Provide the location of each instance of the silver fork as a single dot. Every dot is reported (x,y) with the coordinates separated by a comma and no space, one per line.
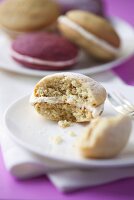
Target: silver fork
(121,104)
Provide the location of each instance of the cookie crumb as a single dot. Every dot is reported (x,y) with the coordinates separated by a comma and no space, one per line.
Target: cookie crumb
(57,139)
(64,123)
(71,133)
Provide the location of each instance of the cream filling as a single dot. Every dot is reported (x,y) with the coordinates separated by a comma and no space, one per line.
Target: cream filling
(37,61)
(96,111)
(87,35)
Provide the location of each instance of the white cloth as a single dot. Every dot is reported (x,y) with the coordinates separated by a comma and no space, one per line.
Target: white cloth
(24,164)
(73,179)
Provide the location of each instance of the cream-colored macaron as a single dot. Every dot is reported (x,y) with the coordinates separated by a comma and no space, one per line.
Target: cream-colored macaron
(68,96)
(91,32)
(105,137)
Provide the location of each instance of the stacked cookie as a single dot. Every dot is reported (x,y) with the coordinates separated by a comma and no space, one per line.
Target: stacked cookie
(29,22)
(94,34)
(68,96)
(20,16)
(44,51)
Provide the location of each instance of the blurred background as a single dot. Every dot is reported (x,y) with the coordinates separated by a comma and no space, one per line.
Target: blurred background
(121,8)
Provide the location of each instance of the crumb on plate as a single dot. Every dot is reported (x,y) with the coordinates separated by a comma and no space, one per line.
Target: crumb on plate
(64,123)
(57,139)
(71,133)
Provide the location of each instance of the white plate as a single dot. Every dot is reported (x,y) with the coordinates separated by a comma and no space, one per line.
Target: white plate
(35,133)
(85,66)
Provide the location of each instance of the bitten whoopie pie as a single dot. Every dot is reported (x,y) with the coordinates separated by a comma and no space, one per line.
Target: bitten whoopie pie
(20,16)
(68,96)
(44,51)
(91,32)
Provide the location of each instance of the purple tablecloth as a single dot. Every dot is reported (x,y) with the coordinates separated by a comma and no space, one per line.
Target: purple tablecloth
(41,188)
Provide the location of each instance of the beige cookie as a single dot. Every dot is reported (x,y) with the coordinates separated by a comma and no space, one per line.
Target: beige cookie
(68,96)
(105,137)
(91,32)
(30,15)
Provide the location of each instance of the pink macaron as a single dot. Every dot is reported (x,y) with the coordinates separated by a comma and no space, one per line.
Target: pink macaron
(44,51)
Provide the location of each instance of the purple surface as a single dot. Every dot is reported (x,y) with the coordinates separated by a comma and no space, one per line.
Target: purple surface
(124,10)
(126,72)
(95,6)
(41,188)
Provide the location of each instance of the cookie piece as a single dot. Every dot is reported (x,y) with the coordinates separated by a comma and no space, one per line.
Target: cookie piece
(68,96)
(44,51)
(105,137)
(25,16)
(91,32)
(94,6)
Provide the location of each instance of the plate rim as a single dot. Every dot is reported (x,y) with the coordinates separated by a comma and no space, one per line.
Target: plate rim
(87,163)
(86,71)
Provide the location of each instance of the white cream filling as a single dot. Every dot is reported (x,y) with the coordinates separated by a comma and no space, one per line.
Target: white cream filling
(54,100)
(37,61)
(88,35)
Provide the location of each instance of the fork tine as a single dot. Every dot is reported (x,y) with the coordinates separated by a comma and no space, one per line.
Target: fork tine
(111,99)
(115,104)
(124,99)
(122,102)
(131,115)
(119,107)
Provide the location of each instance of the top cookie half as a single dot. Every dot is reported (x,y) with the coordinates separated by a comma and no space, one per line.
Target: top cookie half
(93,33)
(68,96)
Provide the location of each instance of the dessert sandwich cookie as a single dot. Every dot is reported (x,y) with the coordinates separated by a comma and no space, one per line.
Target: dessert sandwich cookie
(95,6)
(68,96)
(105,137)
(44,51)
(20,16)
(91,32)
